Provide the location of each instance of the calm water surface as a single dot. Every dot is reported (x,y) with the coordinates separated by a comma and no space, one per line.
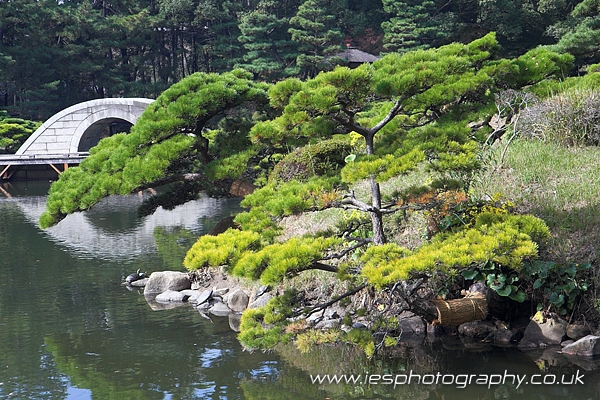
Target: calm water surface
(69,330)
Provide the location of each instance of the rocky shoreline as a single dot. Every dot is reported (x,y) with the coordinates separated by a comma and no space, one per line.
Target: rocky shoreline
(220,295)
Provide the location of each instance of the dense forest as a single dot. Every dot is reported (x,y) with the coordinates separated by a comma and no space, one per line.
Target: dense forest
(54,54)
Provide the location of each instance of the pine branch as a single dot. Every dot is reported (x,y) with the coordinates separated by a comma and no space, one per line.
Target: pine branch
(323,306)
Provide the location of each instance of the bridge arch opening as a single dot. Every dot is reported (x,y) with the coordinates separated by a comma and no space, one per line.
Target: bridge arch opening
(101,129)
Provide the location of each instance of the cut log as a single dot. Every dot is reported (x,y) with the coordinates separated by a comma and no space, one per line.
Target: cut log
(458,311)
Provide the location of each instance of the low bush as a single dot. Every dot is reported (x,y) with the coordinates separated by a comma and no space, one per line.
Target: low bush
(571,118)
(312,160)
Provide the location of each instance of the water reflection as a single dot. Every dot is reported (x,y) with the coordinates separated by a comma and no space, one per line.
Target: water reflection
(113,231)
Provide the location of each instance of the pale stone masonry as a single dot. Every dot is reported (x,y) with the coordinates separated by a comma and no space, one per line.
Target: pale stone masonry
(77,128)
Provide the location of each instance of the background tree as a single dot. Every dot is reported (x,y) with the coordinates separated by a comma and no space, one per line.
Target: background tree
(580,33)
(313,28)
(270,52)
(411,25)
(56,54)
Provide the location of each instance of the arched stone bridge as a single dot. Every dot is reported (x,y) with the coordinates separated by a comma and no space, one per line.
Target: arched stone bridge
(67,136)
(80,127)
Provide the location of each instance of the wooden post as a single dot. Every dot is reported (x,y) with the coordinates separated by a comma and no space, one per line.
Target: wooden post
(4,170)
(56,169)
(4,192)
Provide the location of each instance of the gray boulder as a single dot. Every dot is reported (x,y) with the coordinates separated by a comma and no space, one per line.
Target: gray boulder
(502,337)
(476,329)
(328,324)
(261,301)
(540,331)
(586,346)
(139,283)
(238,300)
(413,325)
(577,331)
(162,281)
(171,296)
(219,309)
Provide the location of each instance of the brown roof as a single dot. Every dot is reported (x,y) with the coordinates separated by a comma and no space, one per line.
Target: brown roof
(354,55)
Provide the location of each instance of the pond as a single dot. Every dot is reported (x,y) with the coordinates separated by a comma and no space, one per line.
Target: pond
(70,330)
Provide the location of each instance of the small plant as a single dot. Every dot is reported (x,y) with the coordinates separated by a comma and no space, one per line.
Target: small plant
(569,118)
(502,281)
(560,284)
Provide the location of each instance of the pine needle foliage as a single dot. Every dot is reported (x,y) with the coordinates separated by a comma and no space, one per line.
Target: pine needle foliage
(167,140)
(506,240)
(283,260)
(224,249)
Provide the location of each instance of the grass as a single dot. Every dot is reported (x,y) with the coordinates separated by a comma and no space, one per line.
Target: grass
(559,184)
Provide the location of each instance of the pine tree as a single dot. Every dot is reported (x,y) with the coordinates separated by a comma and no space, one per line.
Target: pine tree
(222,48)
(270,53)
(411,25)
(318,40)
(580,35)
(178,138)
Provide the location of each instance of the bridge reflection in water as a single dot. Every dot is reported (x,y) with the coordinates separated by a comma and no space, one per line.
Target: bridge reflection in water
(92,234)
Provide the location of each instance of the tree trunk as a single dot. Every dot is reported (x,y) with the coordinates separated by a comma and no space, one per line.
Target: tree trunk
(376,216)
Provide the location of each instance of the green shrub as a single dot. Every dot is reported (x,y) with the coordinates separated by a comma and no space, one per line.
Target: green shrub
(311,160)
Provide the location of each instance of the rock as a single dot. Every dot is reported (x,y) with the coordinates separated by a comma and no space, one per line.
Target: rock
(162,281)
(261,301)
(171,296)
(191,294)
(413,325)
(567,342)
(540,331)
(139,283)
(478,288)
(208,304)
(156,306)
(238,300)
(577,331)
(202,297)
(359,325)
(586,346)
(328,324)
(262,289)
(501,337)
(219,309)
(221,291)
(476,329)
(235,320)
